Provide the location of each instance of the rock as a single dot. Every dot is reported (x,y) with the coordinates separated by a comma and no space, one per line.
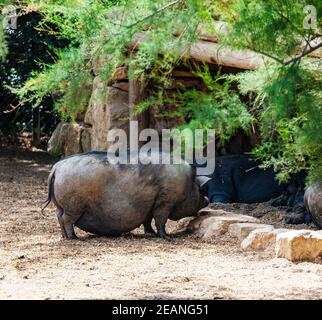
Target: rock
(86,139)
(73,138)
(158,121)
(313,202)
(298,245)
(56,141)
(211,226)
(262,238)
(65,139)
(121,73)
(242,230)
(213,212)
(96,117)
(117,105)
(121,86)
(107,110)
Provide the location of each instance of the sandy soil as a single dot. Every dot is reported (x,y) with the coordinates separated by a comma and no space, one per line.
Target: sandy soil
(35,263)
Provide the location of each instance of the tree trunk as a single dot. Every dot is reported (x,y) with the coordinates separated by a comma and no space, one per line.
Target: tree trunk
(35,127)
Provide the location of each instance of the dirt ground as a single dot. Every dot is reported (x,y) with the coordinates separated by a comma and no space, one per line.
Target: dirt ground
(35,263)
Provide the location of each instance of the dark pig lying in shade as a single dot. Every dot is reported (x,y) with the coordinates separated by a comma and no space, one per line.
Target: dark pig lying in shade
(238,178)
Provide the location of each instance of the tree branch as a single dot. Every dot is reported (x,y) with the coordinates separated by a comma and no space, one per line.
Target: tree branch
(303,54)
(171,4)
(294,59)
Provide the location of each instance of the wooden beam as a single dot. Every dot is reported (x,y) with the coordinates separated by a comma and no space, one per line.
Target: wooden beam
(214,53)
(182,74)
(124,86)
(177,84)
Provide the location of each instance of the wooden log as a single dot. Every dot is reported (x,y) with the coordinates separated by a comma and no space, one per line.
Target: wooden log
(124,86)
(214,53)
(177,84)
(182,74)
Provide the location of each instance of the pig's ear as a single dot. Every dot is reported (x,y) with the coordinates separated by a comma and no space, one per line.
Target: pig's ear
(201,180)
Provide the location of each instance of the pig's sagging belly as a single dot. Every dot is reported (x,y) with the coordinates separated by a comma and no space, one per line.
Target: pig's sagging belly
(107,223)
(110,221)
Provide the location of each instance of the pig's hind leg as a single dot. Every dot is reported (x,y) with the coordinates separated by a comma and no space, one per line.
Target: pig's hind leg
(59,214)
(161,215)
(66,222)
(148,230)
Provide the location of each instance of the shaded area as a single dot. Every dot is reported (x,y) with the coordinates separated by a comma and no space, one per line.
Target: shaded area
(29,50)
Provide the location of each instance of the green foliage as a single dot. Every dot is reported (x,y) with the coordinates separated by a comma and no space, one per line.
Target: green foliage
(67,79)
(285,93)
(289,107)
(274,27)
(220,108)
(100,34)
(3,44)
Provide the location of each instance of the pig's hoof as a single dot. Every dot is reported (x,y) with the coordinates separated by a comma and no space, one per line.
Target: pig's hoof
(294,219)
(150,234)
(288,220)
(166,237)
(73,237)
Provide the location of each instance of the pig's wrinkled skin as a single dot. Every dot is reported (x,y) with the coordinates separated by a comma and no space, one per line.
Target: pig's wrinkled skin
(110,199)
(313,202)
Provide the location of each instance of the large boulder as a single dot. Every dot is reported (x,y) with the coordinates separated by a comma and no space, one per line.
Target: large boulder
(261,239)
(299,245)
(313,202)
(242,230)
(209,226)
(158,121)
(66,139)
(86,139)
(108,109)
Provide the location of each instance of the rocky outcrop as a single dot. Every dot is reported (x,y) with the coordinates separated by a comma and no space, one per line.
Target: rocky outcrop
(242,230)
(108,109)
(261,239)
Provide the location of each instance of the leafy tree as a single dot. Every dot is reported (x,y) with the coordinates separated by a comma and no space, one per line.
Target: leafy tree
(285,92)
(28,49)
(288,87)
